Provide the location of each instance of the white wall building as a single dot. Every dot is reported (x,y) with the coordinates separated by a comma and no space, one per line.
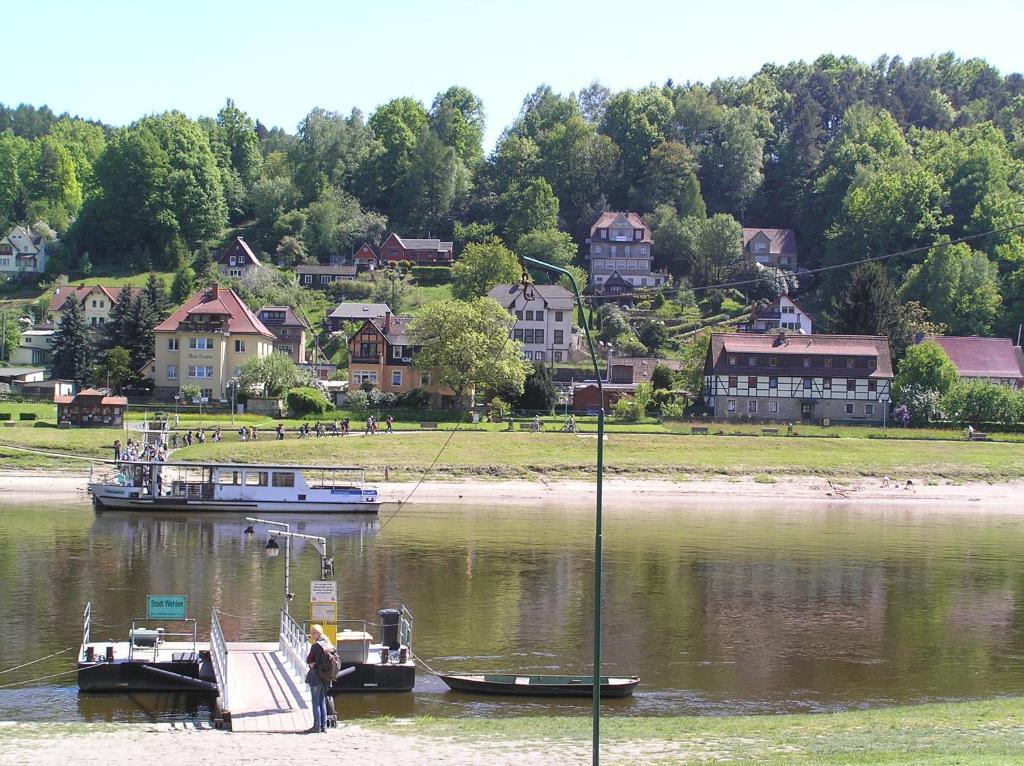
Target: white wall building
(543,324)
(22,250)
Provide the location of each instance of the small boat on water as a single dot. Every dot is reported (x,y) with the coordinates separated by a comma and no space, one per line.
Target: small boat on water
(536,686)
(225,487)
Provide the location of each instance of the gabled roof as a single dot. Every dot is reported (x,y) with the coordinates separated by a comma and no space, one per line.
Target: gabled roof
(365,249)
(393,328)
(107,400)
(976,357)
(239,249)
(615,278)
(612,218)
(354,311)
(776,305)
(289,319)
(554,296)
(81,292)
(643,366)
(222,301)
(33,239)
(874,346)
(780,241)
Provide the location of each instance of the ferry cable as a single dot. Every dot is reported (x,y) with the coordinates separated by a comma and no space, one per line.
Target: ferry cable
(423,663)
(33,662)
(41,678)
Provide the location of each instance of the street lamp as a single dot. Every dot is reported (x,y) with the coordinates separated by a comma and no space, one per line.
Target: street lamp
(273,550)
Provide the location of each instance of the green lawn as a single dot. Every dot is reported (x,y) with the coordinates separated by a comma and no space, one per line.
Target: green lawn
(968,733)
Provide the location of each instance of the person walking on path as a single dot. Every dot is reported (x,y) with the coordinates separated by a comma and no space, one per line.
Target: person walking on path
(280,432)
(389,421)
(117,450)
(318,659)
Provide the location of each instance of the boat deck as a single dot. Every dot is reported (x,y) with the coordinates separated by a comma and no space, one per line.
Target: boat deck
(166,651)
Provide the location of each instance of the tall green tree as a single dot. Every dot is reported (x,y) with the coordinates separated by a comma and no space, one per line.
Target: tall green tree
(73,352)
(715,249)
(482,266)
(530,208)
(732,164)
(434,180)
(925,366)
(539,392)
(870,305)
(457,117)
(671,179)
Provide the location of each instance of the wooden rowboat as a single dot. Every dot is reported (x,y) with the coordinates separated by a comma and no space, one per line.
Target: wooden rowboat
(547,686)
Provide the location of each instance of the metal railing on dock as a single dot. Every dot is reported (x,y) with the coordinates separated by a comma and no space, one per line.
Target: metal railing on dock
(294,644)
(86,628)
(219,656)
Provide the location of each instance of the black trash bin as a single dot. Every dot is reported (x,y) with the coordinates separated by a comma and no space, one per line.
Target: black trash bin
(389,620)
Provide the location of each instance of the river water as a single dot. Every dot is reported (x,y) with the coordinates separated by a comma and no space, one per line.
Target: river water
(719,609)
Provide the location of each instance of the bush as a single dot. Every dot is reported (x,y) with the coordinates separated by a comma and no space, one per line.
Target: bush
(628,409)
(417,399)
(358,401)
(432,275)
(26,416)
(672,410)
(308,401)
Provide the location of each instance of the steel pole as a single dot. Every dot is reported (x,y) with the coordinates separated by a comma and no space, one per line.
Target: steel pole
(598,535)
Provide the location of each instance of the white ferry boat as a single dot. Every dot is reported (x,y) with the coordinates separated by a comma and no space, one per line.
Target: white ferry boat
(144,485)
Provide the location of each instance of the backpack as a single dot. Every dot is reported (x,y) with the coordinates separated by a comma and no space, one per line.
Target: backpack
(328,665)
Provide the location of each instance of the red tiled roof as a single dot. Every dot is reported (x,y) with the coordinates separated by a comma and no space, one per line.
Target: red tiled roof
(804,345)
(976,357)
(106,400)
(633,219)
(781,241)
(217,300)
(61,294)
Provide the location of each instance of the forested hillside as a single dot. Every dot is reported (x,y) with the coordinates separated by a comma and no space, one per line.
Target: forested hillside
(860,159)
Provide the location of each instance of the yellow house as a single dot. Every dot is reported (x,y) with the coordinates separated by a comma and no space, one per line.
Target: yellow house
(206,342)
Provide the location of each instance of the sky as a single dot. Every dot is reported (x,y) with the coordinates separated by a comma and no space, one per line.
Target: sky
(117,60)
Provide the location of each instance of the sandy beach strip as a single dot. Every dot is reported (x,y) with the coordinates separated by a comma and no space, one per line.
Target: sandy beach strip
(619,493)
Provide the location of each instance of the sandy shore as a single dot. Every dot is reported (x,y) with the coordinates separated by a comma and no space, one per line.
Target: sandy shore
(618,493)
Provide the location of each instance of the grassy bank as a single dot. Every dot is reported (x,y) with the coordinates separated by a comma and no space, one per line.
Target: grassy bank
(988,732)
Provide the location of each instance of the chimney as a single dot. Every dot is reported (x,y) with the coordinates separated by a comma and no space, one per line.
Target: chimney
(214,291)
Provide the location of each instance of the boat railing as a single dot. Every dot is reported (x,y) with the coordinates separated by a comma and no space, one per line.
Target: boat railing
(405,628)
(86,626)
(142,649)
(219,656)
(294,644)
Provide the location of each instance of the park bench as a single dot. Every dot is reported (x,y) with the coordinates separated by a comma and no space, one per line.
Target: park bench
(428,426)
(529,427)
(698,429)
(979,436)
(770,431)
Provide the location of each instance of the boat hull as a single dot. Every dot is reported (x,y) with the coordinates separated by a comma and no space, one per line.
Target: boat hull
(130,676)
(369,677)
(541,686)
(126,502)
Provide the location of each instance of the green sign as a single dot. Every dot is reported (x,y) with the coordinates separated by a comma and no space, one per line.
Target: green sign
(165,607)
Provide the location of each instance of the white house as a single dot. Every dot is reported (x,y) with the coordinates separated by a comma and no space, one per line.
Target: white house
(781,314)
(22,250)
(543,323)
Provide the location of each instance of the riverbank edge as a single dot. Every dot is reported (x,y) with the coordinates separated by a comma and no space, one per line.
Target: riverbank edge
(970,732)
(21,485)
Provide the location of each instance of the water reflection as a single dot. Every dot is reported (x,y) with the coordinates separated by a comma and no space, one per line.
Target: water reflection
(719,610)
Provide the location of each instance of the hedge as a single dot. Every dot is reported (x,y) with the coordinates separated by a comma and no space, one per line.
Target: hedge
(432,275)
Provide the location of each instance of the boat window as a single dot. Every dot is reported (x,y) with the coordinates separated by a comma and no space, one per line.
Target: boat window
(230,477)
(256,478)
(284,479)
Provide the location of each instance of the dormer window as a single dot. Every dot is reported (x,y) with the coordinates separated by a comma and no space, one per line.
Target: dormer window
(604,233)
(759,246)
(231,260)
(638,234)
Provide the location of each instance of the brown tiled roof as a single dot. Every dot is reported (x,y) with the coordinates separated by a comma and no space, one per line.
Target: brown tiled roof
(643,366)
(106,400)
(217,300)
(239,249)
(780,241)
(976,357)
(633,219)
(554,296)
(61,294)
(786,345)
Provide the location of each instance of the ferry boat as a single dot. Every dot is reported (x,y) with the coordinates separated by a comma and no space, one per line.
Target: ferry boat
(144,485)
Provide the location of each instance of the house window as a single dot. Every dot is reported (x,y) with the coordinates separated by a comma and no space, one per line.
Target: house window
(94,321)
(773,407)
(732,360)
(528,355)
(367,350)
(231,260)
(538,336)
(851,384)
(751,361)
(869,409)
(872,385)
(517,335)
(773,361)
(396,377)
(202,344)
(307,279)
(604,235)
(94,304)
(172,344)
(234,272)
(424,379)
(730,405)
(239,346)
(519,315)
(200,371)
(539,356)
(752,407)
(807,361)
(807,384)
(539,316)
(529,316)
(849,364)
(558,356)
(597,249)
(849,408)
(773,382)
(733,381)
(559,337)
(396,352)
(326,279)
(752,381)
(828,362)
(827,384)
(558,316)
(172,372)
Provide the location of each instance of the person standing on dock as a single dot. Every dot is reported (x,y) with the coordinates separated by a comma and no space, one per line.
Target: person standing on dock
(318,660)
(117,450)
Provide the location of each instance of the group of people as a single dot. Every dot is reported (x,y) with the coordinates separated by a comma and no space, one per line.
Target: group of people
(133,451)
(373,427)
(247,434)
(199,438)
(338,428)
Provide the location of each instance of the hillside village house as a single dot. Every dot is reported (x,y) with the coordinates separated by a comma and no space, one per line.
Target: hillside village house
(289,331)
(22,250)
(320,276)
(381,354)
(989,360)
(835,378)
(355,312)
(95,302)
(35,346)
(206,342)
(365,259)
(543,319)
(237,259)
(92,408)
(770,247)
(781,314)
(421,252)
(620,254)
(625,374)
